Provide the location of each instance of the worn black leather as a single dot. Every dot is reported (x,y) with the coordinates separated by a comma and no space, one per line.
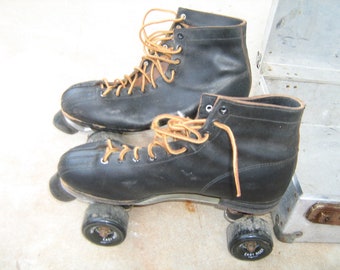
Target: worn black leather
(213,59)
(266,129)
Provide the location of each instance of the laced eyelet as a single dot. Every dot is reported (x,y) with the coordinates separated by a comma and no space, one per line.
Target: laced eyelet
(223,110)
(104,162)
(179,47)
(209,108)
(183,16)
(152,158)
(135,160)
(178,26)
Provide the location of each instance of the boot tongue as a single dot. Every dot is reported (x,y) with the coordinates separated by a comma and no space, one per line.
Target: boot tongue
(206,105)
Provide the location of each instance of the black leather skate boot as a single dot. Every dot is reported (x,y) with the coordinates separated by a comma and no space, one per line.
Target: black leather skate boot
(201,52)
(238,153)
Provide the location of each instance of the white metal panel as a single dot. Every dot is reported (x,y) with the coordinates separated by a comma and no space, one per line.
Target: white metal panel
(302,41)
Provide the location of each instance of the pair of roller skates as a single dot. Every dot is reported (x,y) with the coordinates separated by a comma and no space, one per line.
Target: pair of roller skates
(211,142)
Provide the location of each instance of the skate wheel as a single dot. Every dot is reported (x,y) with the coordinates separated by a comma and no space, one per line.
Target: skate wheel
(105,225)
(61,124)
(58,191)
(249,238)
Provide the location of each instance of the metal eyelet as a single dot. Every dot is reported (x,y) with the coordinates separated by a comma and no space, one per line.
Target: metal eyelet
(152,159)
(103,162)
(183,16)
(135,160)
(209,108)
(102,94)
(179,48)
(180,36)
(223,110)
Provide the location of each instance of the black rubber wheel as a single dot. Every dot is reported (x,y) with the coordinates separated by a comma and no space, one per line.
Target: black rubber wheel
(249,238)
(58,191)
(105,225)
(61,124)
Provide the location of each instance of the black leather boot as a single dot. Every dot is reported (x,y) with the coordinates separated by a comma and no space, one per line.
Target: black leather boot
(238,153)
(200,53)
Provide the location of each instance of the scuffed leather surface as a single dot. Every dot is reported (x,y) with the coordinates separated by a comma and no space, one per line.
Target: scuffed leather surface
(214,59)
(266,130)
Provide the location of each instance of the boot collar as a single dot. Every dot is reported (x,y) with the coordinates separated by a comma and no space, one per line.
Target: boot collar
(278,108)
(195,18)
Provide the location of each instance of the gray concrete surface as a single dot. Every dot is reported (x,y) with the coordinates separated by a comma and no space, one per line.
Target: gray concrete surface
(45,46)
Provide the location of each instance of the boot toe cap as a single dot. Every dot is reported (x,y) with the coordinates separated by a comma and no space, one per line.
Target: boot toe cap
(78,167)
(80,99)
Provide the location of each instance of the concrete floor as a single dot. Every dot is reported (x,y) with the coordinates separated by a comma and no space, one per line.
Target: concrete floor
(45,46)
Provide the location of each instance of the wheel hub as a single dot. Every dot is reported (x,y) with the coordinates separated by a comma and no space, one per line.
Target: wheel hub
(250,246)
(105,232)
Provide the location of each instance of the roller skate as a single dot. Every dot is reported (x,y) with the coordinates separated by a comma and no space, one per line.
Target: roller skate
(238,154)
(201,52)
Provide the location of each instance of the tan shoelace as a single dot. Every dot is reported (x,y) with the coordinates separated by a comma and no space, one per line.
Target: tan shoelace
(156,53)
(178,128)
